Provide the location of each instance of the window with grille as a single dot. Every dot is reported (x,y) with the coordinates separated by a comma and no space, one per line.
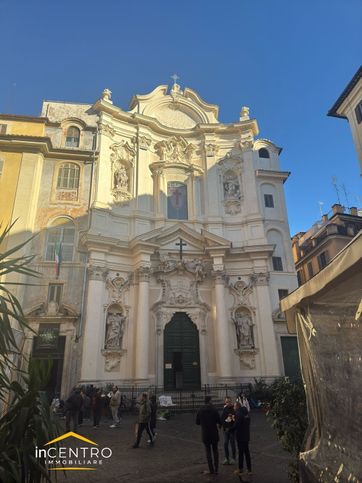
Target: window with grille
(322,260)
(310,269)
(68,176)
(55,292)
(62,237)
(277,264)
(282,292)
(358,112)
(264,153)
(72,138)
(269,201)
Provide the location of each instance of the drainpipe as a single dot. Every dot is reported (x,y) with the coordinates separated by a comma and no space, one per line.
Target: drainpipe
(80,325)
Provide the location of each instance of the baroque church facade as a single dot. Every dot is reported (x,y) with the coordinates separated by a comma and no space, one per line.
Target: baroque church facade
(174,241)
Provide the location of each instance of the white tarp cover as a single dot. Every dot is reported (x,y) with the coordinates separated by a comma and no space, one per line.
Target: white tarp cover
(326,314)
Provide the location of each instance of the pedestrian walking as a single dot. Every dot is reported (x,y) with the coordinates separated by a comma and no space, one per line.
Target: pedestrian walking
(227,421)
(144,418)
(97,406)
(208,418)
(241,427)
(114,404)
(153,418)
(73,405)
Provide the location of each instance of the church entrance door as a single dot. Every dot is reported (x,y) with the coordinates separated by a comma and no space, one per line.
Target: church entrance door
(181,354)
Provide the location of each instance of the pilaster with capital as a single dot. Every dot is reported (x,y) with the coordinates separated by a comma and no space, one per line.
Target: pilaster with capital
(224,367)
(93,327)
(265,327)
(143,324)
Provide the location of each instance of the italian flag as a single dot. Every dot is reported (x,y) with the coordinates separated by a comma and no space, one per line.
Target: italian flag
(57,257)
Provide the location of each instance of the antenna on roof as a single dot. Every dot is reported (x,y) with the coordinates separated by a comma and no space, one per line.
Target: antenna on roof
(321,203)
(345,194)
(334,183)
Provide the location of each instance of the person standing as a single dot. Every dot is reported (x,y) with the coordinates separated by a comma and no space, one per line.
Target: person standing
(73,406)
(144,418)
(227,421)
(97,406)
(153,417)
(242,434)
(114,405)
(208,418)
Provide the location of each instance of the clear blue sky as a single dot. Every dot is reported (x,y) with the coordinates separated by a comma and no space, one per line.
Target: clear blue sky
(287,60)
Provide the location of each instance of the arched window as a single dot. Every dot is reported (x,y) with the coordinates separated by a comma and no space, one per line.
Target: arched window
(176,200)
(60,241)
(264,153)
(72,138)
(68,176)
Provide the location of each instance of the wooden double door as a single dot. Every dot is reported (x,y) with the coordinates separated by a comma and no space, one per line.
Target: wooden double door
(181,354)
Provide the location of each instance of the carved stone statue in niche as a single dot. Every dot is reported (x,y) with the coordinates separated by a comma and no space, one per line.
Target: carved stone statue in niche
(244,329)
(231,186)
(121,178)
(114,330)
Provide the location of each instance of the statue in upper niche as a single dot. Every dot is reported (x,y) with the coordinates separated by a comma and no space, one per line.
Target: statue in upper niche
(115,331)
(121,178)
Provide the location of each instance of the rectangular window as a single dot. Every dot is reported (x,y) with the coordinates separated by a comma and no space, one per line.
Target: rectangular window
(176,200)
(282,292)
(269,201)
(3,128)
(322,260)
(358,112)
(310,269)
(1,166)
(55,292)
(300,277)
(277,264)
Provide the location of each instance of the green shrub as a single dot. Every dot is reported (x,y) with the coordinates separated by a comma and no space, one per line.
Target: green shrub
(288,415)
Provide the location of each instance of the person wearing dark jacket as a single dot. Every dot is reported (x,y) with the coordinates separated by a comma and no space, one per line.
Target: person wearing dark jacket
(144,418)
(227,421)
(208,418)
(153,404)
(241,427)
(73,406)
(97,406)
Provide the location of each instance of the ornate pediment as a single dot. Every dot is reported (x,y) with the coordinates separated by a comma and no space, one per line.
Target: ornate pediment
(175,150)
(175,108)
(122,152)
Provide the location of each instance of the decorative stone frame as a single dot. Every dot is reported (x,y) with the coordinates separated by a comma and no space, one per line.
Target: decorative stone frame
(70,122)
(112,357)
(163,315)
(71,196)
(122,155)
(231,163)
(246,354)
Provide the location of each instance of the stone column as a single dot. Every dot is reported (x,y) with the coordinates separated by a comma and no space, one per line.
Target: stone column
(94,328)
(143,325)
(224,348)
(266,331)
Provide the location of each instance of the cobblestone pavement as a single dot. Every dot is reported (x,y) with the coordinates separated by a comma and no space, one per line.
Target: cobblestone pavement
(178,454)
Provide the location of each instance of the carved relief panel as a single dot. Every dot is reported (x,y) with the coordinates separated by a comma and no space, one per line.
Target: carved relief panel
(122,161)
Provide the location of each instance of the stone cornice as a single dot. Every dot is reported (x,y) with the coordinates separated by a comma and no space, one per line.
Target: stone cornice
(269,174)
(156,126)
(254,251)
(41,145)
